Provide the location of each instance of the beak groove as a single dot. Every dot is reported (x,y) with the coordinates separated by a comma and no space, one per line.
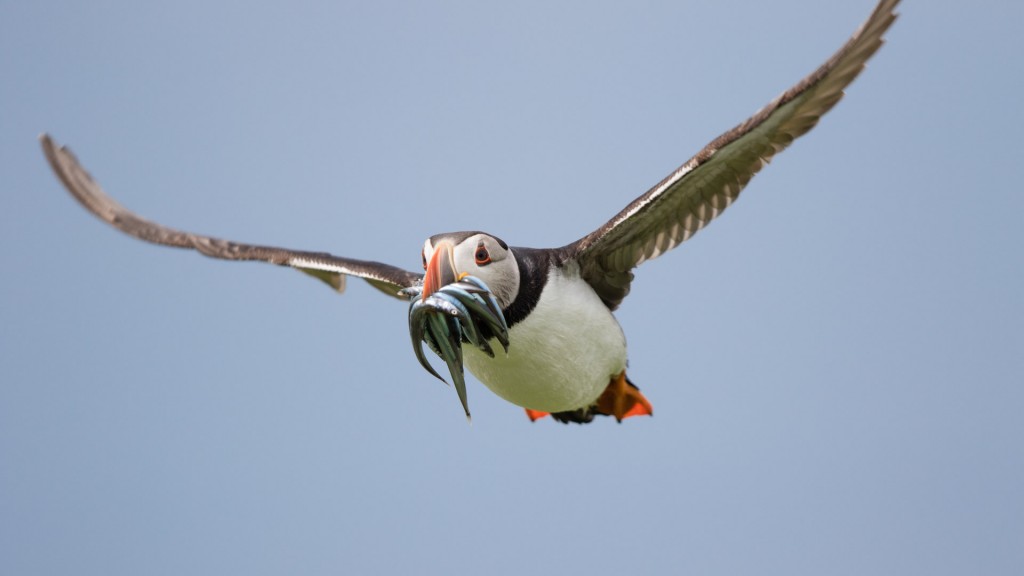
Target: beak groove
(440,270)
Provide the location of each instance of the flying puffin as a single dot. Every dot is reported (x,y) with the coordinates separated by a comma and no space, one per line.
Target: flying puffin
(567,353)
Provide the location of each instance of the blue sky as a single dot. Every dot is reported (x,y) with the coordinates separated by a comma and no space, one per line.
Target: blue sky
(836,364)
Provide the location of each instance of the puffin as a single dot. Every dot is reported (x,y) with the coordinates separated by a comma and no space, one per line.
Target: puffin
(567,353)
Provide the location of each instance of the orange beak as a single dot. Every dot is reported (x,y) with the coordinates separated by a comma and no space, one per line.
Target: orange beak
(441,269)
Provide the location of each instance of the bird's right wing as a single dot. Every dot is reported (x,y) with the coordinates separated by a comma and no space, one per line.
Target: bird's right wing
(326,267)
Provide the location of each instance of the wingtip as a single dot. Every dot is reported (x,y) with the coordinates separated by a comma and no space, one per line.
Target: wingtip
(53,152)
(47,142)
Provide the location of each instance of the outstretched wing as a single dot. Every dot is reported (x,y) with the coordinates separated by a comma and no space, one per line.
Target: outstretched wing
(331,269)
(684,202)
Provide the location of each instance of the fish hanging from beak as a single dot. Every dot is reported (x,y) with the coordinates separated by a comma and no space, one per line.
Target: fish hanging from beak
(445,315)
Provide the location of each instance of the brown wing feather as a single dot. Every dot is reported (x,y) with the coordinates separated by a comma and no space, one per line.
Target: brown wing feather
(695,193)
(331,269)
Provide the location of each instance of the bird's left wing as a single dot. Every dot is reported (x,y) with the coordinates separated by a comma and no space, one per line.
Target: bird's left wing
(331,269)
(695,193)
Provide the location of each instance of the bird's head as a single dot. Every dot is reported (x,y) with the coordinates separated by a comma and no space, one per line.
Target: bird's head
(449,257)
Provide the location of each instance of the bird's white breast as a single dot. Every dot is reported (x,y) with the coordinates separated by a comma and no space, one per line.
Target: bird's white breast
(562,355)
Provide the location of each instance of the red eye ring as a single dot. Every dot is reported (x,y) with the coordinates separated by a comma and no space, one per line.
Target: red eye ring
(481,256)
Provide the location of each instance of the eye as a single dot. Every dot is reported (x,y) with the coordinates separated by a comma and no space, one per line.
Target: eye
(424,254)
(481,256)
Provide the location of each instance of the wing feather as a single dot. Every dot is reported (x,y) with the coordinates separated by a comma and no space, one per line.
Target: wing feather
(321,265)
(698,191)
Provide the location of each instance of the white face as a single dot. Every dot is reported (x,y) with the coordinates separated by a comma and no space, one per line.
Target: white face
(485,257)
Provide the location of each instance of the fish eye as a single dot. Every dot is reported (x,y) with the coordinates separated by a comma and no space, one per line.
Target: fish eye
(481,256)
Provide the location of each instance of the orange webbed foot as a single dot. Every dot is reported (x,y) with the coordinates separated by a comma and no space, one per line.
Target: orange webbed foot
(535,415)
(622,399)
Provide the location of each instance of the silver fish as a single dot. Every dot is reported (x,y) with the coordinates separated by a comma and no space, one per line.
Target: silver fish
(464,311)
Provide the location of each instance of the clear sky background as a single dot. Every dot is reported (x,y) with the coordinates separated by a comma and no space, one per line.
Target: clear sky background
(836,364)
